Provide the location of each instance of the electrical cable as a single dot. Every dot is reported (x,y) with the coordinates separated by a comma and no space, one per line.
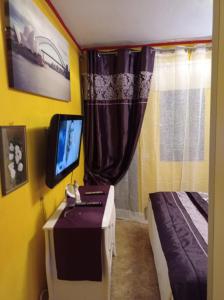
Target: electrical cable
(43,292)
(72,178)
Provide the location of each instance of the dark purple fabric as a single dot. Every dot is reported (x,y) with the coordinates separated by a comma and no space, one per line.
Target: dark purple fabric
(187,217)
(77,239)
(186,260)
(200,203)
(116,89)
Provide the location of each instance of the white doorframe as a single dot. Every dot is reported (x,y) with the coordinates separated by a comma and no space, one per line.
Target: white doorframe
(216,184)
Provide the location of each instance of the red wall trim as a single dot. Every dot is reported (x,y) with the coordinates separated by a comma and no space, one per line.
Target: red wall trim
(62,23)
(151,45)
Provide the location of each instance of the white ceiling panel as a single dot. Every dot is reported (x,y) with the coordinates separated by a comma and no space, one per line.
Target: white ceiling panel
(120,22)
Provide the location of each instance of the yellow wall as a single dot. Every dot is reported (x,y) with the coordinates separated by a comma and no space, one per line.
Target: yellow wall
(22,212)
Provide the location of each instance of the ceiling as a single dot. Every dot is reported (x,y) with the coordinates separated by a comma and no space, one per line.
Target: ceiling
(130,22)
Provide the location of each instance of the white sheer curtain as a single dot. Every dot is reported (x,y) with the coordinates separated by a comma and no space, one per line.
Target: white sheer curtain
(173,148)
(127,193)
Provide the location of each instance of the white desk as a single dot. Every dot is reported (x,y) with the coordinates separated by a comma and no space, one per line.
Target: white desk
(82,290)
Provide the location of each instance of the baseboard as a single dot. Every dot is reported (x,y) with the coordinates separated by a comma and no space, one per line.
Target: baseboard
(130,215)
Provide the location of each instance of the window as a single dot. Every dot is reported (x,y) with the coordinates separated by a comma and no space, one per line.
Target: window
(182,114)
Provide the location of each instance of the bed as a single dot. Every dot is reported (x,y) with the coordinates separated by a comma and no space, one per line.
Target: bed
(178,230)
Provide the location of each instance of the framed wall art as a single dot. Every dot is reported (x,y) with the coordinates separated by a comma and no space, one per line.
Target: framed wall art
(13,158)
(37,54)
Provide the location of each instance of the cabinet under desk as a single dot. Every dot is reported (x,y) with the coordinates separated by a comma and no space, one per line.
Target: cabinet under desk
(90,289)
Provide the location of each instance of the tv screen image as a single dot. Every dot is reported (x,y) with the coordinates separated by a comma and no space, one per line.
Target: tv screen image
(68,144)
(64,143)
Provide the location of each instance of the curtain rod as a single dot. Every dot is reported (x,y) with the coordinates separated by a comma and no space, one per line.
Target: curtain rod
(171,43)
(158,49)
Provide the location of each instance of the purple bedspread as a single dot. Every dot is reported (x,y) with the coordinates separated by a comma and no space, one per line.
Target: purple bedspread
(77,239)
(181,220)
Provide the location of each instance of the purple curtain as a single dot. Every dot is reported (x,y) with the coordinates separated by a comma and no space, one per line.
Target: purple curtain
(115,88)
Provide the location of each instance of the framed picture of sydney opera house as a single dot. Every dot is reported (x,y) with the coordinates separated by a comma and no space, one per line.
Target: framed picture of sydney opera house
(38,55)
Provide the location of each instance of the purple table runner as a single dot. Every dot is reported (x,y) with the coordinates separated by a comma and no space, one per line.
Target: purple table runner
(77,239)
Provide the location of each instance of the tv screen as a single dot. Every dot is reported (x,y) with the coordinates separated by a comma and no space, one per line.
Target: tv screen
(63,151)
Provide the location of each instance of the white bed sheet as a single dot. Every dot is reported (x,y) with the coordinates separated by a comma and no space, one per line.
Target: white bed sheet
(159,258)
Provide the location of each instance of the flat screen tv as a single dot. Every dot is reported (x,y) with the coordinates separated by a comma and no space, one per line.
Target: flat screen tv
(63,147)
